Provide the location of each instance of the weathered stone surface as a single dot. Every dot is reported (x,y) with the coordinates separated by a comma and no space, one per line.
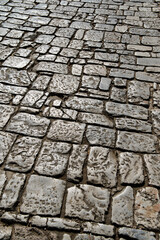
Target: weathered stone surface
(112,37)
(26,233)
(156,98)
(28,124)
(122,207)
(102,167)
(2,180)
(62,223)
(156,120)
(136,142)
(118,94)
(43,196)
(6,141)
(90,81)
(85,104)
(38,221)
(105,84)
(5,232)
(100,136)
(148,77)
(11,191)
(53,158)
(16,62)
(129,110)
(76,162)
(87,202)
(51,67)
(138,92)
(66,131)
(137,234)
(147,208)
(92,118)
(95,70)
(84,236)
(106,56)
(98,228)
(133,124)
(122,73)
(93,35)
(80,25)
(5,113)
(23,154)
(153,167)
(65,84)
(131,168)
(34,98)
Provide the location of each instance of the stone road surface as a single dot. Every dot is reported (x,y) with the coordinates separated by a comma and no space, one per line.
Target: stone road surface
(79,119)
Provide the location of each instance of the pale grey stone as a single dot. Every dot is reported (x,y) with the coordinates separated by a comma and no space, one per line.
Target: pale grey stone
(32,98)
(14,218)
(2,180)
(6,140)
(148,77)
(90,81)
(65,84)
(105,84)
(112,37)
(104,56)
(120,82)
(76,162)
(98,228)
(87,202)
(16,62)
(92,118)
(43,196)
(129,110)
(77,69)
(28,124)
(84,236)
(138,92)
(147,40)
(80,25)
(137,234)
(131,168)
(5,113)
(85,104)
(57,22)
(122,73)
(93,35)
(41,82)
(12,190)
(22,156)
(65,32)
(60,42)
(136,142)
(133,124)
(14,77)
(153,167)
(39,20)
(39,221)
(156,120)
(9,89)
(51,67)
(62,223)
(122,207)
(118,94)
(102,167)
(5,232)
(156,98)
(66,131)
(149,61)
(100,136)
(147,205)
(44,39)
(5,98)
(97,70)
(53,158)
(66,237)
(5,52)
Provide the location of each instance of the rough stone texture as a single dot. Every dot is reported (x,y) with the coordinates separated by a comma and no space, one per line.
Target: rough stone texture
(23,154)
(147,207)
(95,70)
(122,207)
(16,62)
(63,224)
(131,168)
(6,140)
(51,67)
(66,131)
(102,167)
(136,142)
(28,124)
(156,121)
(27,233)
(43,196)
(137,234)
(53,158)
(2,180)
(98,228)
(5,113)
(5,232)
(153,167)
(87,202)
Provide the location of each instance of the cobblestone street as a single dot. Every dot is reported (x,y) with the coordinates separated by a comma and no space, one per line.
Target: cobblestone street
(79,119)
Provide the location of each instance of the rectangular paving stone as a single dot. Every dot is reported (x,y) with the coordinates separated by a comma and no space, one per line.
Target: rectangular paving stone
(5,113)
(80,25)
(148,77)
(3,179)
(137,233)
(51,67)
(12,190)
(43,195)
(136,142)
(16,62)
(6,141)
(28,124)
(149,61)
(95,70)
(98,228)
(66,131)
(107,56)
(121,73)
(152,162)
(62,223)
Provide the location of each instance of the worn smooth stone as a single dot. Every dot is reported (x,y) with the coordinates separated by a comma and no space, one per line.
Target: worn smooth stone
(76,162)
(28,124)
(138,92)
(66,131)
(34,98)
(129,110)
(5,232)
(16,62)
(85,104)
(51,67)
(100,136)
(147,208)
(14,218)
(65,84)
(122,207)
(62,223)
(23,154)
(149,61)
(87,202)
(43,196)
(106,56)
(38,221)
(53,158)
(136,234)
(12,190)
(95,70)
(5,113)
(98,228)
(93,35)
(136,142)
(122,73)
(148,77)
(6,140)
(153,167)
(131,168)
(102,167)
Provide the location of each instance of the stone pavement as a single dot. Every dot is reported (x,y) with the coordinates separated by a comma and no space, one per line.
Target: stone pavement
(79,119)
